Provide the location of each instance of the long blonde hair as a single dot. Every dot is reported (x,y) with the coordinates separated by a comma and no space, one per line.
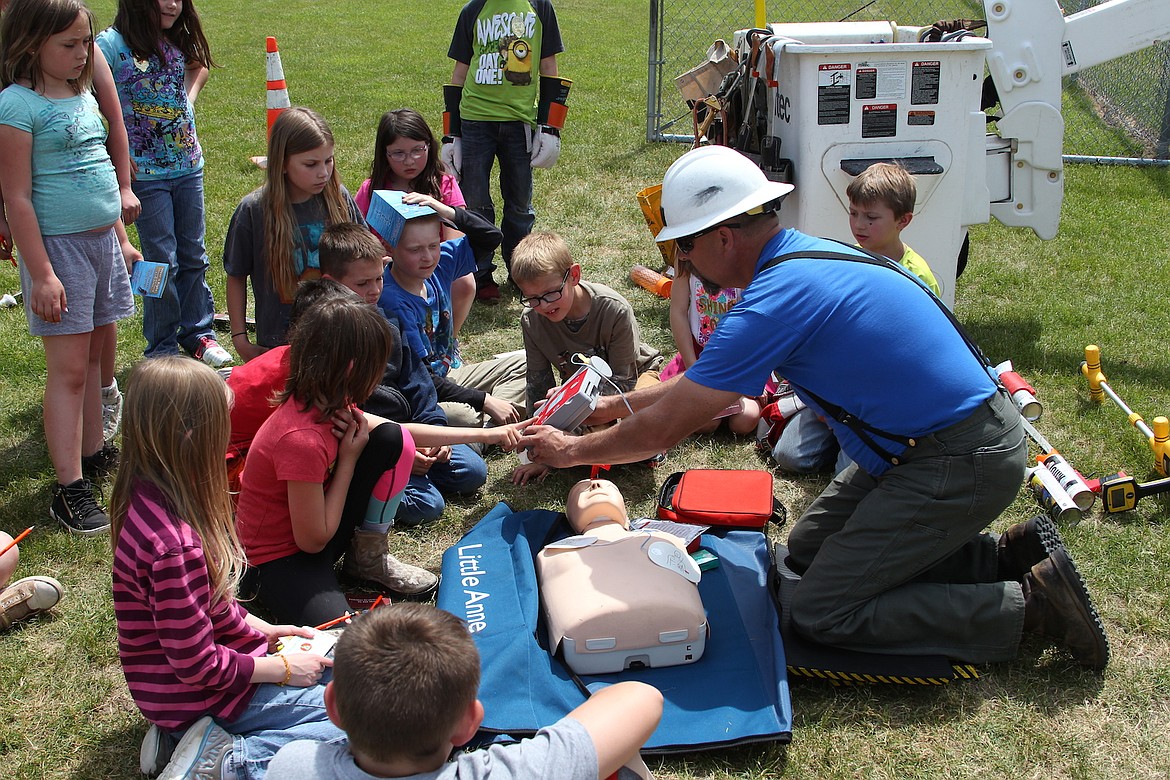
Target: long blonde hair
(175,429)
(296,130)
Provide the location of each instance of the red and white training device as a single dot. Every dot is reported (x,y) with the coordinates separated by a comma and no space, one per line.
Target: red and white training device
(573,401)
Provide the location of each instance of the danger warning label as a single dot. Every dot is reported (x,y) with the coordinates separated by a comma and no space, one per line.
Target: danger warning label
(879,120)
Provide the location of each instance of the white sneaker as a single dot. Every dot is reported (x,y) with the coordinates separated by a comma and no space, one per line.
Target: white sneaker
(200,754)
(211,353)
(157,748)
(111,411)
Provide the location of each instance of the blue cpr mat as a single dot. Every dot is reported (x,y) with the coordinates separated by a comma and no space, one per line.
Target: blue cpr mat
(736,693)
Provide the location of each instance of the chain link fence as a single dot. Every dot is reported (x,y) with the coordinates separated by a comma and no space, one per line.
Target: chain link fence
(1118,111)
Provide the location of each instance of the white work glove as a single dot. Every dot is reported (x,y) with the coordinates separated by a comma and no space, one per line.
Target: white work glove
(546,147)
(452,155)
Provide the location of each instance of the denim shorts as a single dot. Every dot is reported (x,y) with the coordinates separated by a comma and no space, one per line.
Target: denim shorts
(97,288)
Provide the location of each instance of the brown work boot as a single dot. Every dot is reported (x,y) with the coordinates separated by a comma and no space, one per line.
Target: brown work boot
(369,560)
(1057,606)
(1024,545)
(27,597)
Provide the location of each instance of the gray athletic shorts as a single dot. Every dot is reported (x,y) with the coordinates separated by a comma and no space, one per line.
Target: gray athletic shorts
(93,273)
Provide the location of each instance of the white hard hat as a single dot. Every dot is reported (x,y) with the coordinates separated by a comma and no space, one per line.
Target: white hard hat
(709,185)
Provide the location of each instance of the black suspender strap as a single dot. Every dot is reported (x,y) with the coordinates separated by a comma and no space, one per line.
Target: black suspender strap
(860,427)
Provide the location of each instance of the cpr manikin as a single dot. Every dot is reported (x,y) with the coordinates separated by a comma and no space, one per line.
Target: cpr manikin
(616,598)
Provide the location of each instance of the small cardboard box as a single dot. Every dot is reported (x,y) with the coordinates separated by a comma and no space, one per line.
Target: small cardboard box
(388,214)
(149,279)
(704,79)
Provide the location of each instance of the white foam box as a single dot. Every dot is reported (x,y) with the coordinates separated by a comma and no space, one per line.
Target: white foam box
(388,214)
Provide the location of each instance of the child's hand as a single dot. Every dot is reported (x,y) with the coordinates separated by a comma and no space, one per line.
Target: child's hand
(246,349)
(507,436)
(5,240)
(306,668)
(418,199)
(530,472)
(131,206)
(423,461)
(48,299)
(131,255)
(356,434)
(500,410)
(274,633)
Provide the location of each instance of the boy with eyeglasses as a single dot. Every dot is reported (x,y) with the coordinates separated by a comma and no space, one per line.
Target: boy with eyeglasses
(417,290)
(565,316)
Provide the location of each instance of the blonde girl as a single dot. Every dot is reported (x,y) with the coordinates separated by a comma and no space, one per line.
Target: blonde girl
(323,480)
(198,665)
(52,152)
(272,239)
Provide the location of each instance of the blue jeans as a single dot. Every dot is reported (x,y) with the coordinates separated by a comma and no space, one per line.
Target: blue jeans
(806,445)
(422,501)
(483,143)
(898,564)
(276,716)
(171,229)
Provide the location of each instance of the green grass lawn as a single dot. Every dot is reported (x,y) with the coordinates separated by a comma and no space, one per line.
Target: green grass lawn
(64,709)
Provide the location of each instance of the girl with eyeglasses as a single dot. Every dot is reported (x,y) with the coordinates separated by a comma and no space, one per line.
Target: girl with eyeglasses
(406,158)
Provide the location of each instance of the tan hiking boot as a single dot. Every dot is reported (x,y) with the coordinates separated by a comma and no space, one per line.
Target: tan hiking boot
(368,559)
(1057,606)
(27,597)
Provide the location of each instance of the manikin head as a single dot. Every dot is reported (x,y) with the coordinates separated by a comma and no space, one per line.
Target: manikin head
(593,502)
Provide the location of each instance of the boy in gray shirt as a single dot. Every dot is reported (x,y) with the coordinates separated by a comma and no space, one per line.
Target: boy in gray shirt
(404,688)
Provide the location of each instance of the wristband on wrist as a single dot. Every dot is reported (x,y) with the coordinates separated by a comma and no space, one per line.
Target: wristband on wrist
(241,333)
(287,672)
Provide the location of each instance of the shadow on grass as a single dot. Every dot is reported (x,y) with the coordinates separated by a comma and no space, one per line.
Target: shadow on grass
(1159,177)
(114,754)
(1042,678)
(24,455)
(768,759)
(1020,341)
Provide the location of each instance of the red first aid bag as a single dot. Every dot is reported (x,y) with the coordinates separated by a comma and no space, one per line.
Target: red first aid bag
(728,498)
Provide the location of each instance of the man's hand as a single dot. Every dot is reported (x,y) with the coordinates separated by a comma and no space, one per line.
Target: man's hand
(548,445)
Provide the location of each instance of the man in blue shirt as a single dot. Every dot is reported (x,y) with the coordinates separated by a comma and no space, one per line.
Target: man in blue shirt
(893,554)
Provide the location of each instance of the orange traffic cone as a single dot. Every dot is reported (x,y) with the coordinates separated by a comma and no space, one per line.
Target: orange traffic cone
(277,91)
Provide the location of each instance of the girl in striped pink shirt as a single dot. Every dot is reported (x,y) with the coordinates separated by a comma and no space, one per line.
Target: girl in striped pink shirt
(196,662)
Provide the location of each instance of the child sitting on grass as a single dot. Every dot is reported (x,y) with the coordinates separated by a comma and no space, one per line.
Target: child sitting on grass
(404,689)
(566,316)
(27,596)
(408,391)
(196,662)
(419,292)
(312,490)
